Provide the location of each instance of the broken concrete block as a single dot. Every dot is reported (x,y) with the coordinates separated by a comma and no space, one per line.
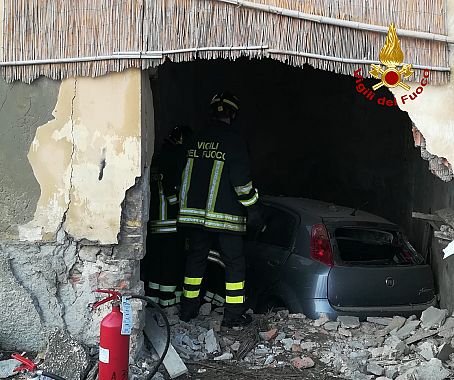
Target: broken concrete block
(331,326)
(379,321)
(373,341)
(406,330)
(375,369)
(211,343)
(287,342)
(376,351)
(321,320)
(261,350)
(308,346)
(433,317)
(419,336)
(7,367)
(391,372)
(349,322)
(447,330)
(396,323)
(344,332)
(280,336)
(205,309)
(427,350)
(361,376)
(268,335)
(408,375)
(302,363)
(65,357)
(432,370)
(269,360)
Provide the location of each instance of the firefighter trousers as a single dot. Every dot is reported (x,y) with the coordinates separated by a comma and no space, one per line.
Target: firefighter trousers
(231,247)
(162,268)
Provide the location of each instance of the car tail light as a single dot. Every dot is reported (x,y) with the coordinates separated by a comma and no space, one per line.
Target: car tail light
(320,245)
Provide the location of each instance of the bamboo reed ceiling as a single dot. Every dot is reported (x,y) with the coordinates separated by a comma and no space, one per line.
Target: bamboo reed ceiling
(48,29)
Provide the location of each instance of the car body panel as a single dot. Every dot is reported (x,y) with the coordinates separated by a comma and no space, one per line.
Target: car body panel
(292,278)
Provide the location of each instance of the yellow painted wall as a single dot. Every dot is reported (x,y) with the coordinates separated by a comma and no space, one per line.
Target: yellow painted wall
(1,29)
(433,110)
(97,129)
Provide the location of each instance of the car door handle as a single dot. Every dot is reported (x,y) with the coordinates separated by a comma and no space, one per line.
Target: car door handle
(273,263)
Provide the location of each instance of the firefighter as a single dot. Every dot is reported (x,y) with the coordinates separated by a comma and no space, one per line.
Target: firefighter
(216,195)
(163,267)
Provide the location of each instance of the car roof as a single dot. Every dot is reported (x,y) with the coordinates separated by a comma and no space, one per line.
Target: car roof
(324,210)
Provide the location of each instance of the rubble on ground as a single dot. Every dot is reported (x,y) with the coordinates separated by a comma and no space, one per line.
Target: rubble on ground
(378,348)
(65,357)
(7,367)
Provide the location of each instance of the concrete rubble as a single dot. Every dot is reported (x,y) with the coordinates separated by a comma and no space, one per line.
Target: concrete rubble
(379,348)
(65,357)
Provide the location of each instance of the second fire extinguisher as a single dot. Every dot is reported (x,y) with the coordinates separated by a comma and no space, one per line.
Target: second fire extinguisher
(114,339)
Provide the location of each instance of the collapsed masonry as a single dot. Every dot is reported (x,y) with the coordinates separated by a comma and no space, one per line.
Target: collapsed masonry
(438,166)
(49,285)
(379,348)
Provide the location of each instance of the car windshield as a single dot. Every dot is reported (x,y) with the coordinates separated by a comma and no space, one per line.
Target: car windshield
(375,247)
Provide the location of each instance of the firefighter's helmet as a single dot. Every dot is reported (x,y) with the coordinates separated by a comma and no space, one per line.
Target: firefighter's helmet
(224,102)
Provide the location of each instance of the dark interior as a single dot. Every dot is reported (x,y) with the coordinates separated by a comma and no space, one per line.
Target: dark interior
(309,132)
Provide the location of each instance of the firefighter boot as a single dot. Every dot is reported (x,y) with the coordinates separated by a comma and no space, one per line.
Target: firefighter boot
(189,309)
(235,317)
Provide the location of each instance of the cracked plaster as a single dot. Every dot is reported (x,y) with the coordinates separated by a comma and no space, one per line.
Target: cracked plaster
(86,158)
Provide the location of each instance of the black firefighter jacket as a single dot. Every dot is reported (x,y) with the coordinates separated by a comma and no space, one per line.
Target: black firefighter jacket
(164,188)
(216,182)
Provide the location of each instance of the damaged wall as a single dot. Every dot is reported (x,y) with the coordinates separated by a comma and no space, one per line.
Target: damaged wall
(432,109)
(86,157)
(22,109)
(91,190)
(432,112)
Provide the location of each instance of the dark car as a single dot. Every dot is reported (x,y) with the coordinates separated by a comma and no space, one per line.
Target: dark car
(314,257)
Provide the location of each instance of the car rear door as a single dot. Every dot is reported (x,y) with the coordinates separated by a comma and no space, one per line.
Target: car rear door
(269,249)
(376,266)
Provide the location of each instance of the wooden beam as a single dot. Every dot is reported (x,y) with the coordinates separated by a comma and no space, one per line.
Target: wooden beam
(420,215)
(157,335)
(443,235)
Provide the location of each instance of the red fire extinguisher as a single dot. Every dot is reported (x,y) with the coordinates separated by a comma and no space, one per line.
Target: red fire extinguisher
(113,345)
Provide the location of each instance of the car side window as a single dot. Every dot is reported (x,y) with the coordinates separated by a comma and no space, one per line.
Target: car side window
(279,228)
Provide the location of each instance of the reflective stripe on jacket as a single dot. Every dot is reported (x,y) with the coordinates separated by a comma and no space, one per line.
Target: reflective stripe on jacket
(216,182)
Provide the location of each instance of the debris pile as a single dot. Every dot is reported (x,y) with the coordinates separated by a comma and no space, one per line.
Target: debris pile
(378,348)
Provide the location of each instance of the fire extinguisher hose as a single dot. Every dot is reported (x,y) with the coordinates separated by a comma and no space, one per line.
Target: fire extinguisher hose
(166,321)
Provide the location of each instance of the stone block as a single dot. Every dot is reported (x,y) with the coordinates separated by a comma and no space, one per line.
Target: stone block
(349,322)
(375,369)
(433,317)
(65,357)
(432,370)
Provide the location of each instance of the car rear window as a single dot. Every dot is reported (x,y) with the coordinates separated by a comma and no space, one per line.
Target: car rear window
(375,247)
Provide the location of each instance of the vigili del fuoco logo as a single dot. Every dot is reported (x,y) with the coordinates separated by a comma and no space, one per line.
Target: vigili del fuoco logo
(392,57)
